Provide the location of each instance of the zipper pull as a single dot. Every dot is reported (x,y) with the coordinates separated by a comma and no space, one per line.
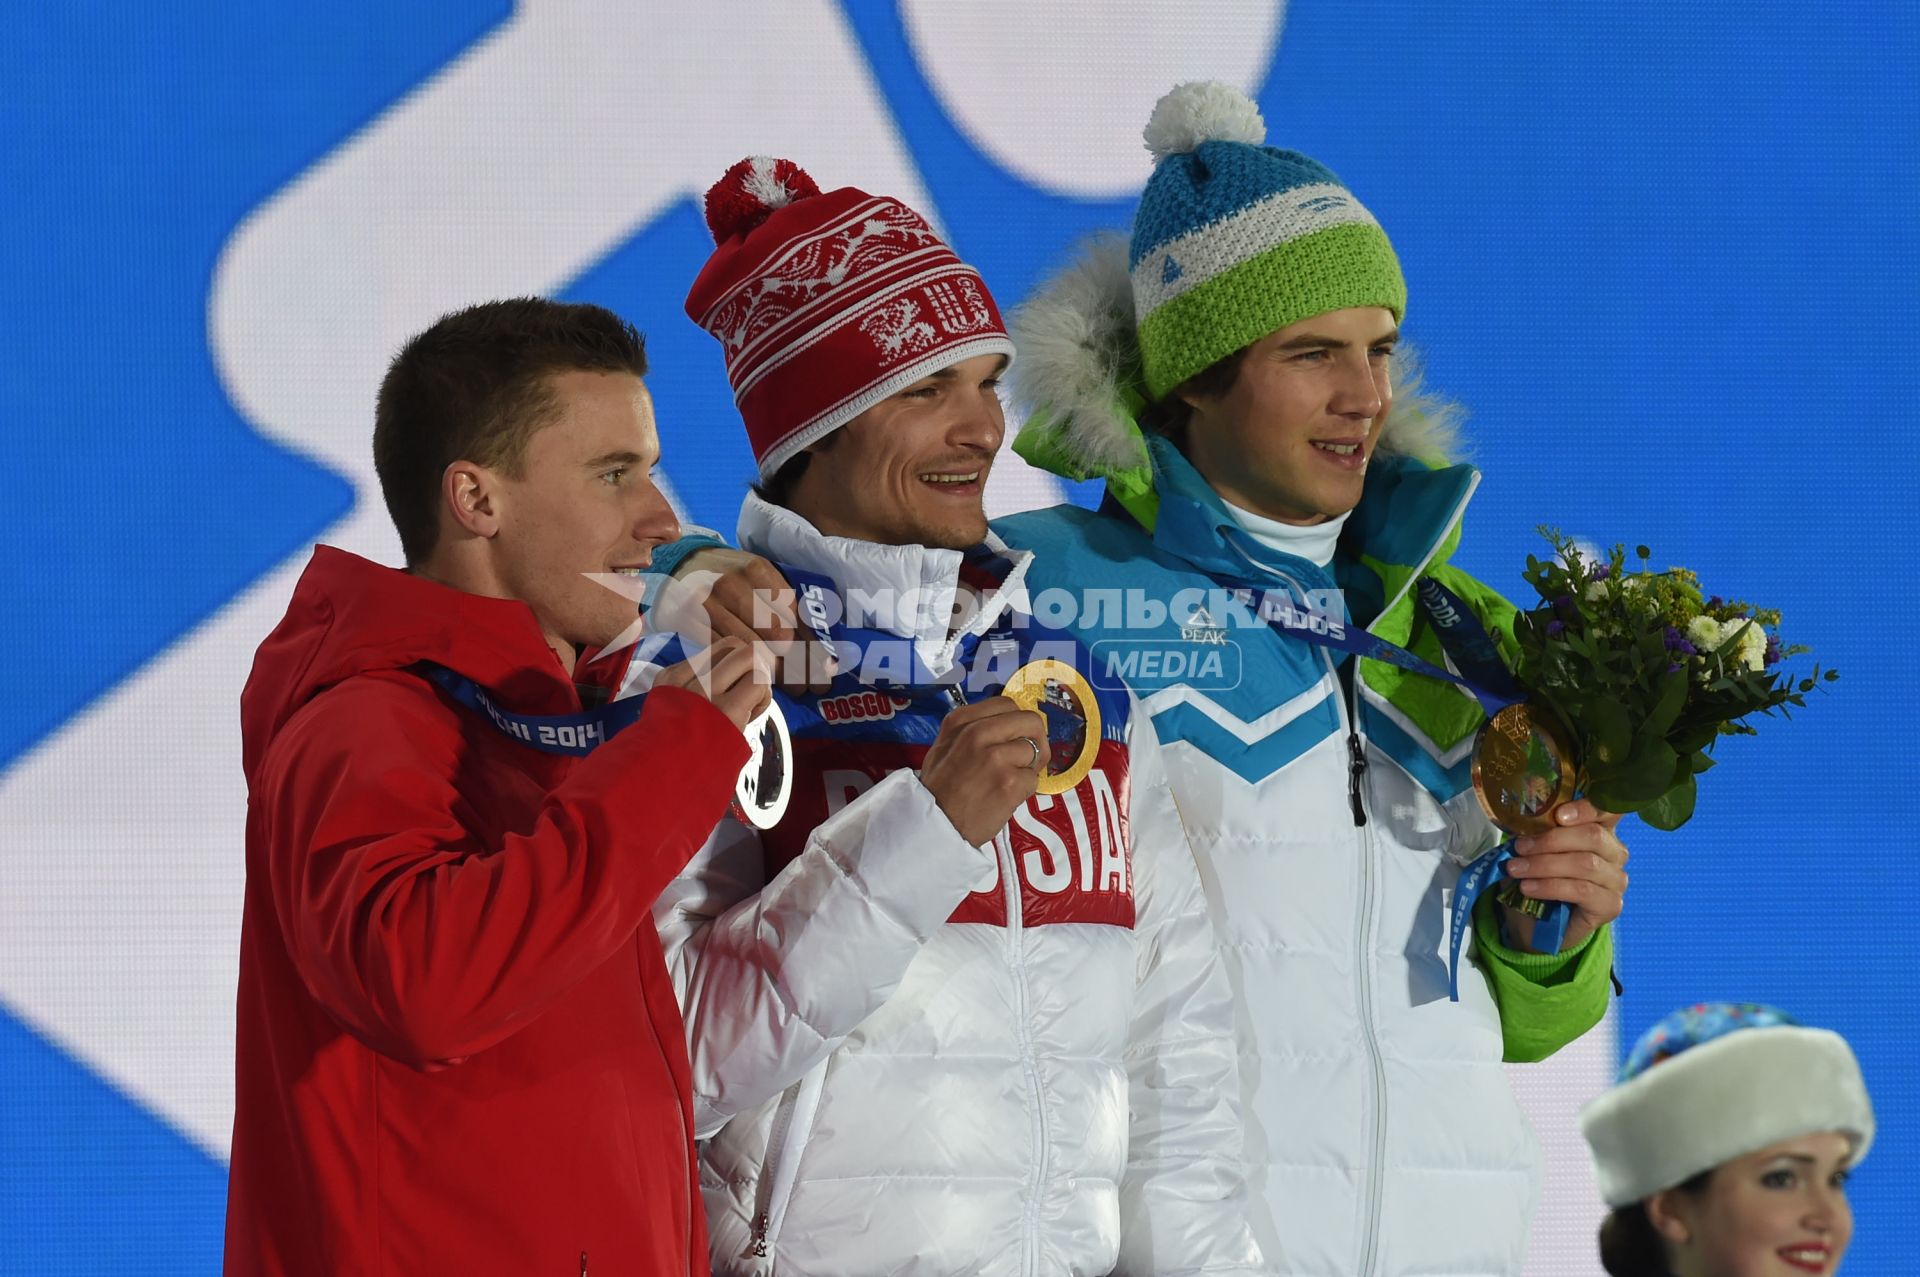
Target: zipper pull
(759,1247)
(1356,767)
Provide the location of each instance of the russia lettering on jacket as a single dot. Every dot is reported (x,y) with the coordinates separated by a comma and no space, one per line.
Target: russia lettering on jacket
(1071,850)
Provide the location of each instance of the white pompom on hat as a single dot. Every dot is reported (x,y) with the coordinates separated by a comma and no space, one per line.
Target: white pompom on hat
(1202,111)
(1715,1082)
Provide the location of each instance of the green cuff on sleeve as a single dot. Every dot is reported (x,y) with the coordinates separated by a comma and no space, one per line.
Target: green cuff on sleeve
(1546,1000)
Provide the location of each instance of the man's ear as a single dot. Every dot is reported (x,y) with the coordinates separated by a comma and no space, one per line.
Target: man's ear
(1664,1214)
(471,494)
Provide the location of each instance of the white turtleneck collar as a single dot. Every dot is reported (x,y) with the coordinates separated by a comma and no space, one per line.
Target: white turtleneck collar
(925,577)
(1313,542)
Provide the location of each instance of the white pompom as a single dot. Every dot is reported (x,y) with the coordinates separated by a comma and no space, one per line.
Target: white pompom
(1202,111)
(764,184)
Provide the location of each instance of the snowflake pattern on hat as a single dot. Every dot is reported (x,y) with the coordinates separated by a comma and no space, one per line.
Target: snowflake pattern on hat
(872,235)
(827,302)
(1691,1026)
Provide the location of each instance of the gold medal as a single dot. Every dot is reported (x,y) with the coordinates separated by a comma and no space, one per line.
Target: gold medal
(1523,768)
(1065,700)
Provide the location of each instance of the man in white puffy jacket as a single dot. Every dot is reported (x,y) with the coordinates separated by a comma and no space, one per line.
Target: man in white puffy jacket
(925,1038)
(1250,325)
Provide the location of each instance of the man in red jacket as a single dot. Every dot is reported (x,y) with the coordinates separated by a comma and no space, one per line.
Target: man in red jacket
(458,1046)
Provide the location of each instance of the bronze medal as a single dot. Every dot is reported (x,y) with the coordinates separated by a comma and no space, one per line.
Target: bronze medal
(1065,700)
(1523,768)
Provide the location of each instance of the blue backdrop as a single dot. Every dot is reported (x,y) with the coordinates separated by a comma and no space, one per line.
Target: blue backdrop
(1664,253)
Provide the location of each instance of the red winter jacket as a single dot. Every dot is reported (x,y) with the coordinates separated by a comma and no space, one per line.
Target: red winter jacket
(459,1050)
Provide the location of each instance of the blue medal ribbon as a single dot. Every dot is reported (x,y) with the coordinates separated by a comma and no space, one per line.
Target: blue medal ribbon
(1467,642)
(810,587)
(1482,673)
(575,735)
(1477,657)
(1474,653)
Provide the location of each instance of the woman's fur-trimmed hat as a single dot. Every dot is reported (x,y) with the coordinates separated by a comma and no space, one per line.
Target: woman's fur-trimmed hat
(1714,1082)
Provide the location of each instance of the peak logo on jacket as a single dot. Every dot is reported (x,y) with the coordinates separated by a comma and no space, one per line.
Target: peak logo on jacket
(1071,852)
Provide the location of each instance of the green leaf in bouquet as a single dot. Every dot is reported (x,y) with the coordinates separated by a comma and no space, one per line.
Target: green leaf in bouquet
(1650,652)
(1701,761)
(1690,736)
(1668,701)
(1650,772)
(1609,732)
(1608,796)
(1672,809)
(1646,774)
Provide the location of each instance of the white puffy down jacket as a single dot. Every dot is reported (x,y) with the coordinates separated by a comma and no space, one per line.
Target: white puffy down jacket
(1047,1087)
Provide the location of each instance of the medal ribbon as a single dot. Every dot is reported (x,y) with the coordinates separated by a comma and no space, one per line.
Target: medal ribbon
(575,735)
(1474,653)
(968,679)
(837,635)
(1466,641)
(1482,673)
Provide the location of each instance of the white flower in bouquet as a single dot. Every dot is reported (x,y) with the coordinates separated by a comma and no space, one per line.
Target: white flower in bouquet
(1749,652)
(1705,633)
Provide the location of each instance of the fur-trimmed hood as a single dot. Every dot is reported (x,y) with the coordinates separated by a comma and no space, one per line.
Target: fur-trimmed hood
(1077,382)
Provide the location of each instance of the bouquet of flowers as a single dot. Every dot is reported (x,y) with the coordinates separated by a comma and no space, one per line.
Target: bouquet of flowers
(1646,673)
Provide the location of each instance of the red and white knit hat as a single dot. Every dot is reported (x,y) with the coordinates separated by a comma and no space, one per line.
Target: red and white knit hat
(827,304)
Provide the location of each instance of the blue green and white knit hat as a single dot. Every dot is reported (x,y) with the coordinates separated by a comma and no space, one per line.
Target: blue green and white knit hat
(1716,1081)
(1235,239)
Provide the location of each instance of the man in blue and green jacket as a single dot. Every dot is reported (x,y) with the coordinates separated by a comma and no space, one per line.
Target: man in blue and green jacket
(1229,374)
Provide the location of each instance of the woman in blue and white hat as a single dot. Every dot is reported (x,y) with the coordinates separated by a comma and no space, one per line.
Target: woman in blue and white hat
(1724,1150)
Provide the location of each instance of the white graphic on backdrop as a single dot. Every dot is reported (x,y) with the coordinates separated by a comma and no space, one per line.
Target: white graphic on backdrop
(1056,92)
(525,161)
(541,149)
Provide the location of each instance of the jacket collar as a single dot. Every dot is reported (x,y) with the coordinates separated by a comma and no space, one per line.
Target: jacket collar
(1408,515)
(916,584)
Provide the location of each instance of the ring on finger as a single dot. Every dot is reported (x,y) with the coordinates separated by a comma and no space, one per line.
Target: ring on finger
(1035,746)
